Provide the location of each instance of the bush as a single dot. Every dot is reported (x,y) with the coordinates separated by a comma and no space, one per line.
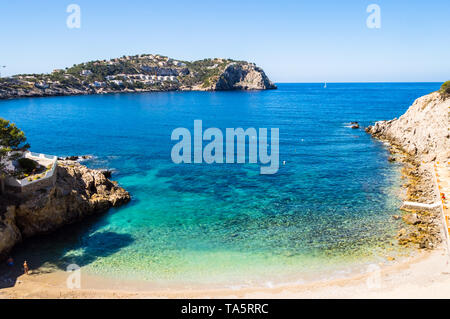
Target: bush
(445,88)
(27,165)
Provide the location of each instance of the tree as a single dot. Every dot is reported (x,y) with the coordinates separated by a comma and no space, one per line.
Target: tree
(12,143)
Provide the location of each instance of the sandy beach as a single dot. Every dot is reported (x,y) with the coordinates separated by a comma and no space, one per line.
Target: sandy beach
(426,275)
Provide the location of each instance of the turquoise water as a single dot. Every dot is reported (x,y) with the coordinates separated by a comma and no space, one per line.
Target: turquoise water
(327,211)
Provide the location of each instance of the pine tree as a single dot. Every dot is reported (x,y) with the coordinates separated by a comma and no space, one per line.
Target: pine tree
(12,141)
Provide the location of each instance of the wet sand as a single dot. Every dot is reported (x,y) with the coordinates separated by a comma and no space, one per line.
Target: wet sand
(426,275)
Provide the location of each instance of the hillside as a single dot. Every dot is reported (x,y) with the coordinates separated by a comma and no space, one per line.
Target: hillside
(140,73)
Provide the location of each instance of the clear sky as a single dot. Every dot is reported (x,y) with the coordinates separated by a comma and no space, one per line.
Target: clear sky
(293,40)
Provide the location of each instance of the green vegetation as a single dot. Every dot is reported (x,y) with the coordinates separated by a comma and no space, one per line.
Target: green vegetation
(138,72)
(208,70)
(11,139)
(27,165)
(445,89)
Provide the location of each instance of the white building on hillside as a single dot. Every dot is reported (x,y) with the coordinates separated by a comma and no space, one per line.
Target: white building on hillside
(86,73)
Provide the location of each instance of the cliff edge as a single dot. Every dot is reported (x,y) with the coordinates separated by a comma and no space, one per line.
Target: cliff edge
(417,138)
(423,131)
(78,192)
(243,77)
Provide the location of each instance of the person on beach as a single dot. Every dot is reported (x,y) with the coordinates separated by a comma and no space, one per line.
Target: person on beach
(25,267)
(10,262)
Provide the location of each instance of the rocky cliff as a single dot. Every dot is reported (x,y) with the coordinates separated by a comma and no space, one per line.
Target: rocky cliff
(78,192)
(423,131)
(418,137)
(243,77)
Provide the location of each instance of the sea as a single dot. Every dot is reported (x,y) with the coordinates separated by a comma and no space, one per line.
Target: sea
(327,212)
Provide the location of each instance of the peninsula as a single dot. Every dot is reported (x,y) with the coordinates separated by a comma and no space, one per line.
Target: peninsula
(139,73)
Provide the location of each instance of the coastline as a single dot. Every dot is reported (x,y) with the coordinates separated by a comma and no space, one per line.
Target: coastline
(409,279)
(139,73)
(77,192)
(419,139)
(399,273)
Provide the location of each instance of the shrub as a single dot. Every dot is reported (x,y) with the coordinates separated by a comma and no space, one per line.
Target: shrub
(445,88)
(27,165)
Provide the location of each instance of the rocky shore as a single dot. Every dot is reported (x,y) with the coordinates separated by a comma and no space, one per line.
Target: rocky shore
(417,139)
(78,192)
(140,73)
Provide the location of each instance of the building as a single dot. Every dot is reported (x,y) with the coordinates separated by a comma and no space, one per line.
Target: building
(41,85)
(117,82)
(99,84)
(178,63)
(86,73)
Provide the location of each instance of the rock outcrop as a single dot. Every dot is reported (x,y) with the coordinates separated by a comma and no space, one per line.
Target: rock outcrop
(423,131)
(79,192)
(417,138)
(243,77)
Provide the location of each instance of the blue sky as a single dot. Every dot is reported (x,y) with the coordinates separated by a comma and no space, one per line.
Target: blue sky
(294,41)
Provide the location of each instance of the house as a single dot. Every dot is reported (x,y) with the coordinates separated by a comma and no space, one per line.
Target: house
(41,85)
(99,84)
(117,82)
(86,72)
(178,63)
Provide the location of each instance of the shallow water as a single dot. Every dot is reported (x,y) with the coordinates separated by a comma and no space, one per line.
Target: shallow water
(327,211)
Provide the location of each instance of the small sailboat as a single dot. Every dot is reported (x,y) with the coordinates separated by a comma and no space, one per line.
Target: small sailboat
(325,86)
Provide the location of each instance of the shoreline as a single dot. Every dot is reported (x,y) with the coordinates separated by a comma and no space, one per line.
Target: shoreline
(408,279)
(76,193)
(397,273)
(425,275)
(180,90)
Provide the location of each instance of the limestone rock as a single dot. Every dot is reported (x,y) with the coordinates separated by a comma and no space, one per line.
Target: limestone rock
(418,137)
(243,77)
(79,192)
(422,131)
(9,233)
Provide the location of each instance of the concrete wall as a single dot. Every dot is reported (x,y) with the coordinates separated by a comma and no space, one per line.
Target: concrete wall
(25,185)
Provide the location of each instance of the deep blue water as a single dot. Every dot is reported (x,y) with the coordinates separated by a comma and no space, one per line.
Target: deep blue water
(328,209)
